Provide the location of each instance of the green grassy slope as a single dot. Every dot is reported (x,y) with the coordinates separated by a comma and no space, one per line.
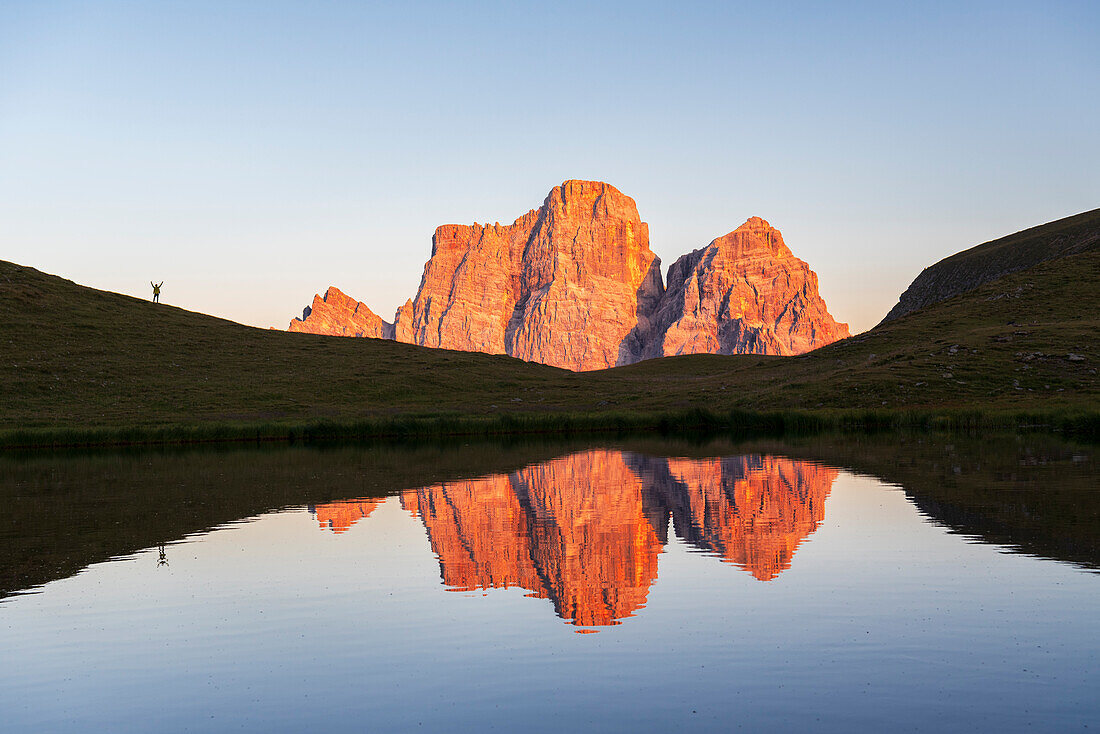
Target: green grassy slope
(1004,346)
(75,357)
(968,269)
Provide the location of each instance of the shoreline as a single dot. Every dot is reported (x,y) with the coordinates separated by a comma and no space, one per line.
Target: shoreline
(1077,423)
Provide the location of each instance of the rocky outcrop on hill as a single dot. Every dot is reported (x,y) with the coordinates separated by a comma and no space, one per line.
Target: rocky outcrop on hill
(336,314)
(567,284)
(574,284)
(966,270)
(744,293)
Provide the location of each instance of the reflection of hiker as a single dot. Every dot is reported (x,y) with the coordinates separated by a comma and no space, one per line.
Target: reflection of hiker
(156,290)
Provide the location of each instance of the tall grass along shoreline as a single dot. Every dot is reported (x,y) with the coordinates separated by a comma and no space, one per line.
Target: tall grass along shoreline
(1082,424)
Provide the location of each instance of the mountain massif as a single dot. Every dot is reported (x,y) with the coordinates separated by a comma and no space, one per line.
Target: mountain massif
(83,366)
(574,284)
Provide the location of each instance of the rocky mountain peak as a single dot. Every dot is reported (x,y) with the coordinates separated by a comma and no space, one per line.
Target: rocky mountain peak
(755,236)
(575,284)
(338,314)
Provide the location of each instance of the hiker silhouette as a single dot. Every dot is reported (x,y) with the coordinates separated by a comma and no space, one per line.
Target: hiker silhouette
(156,290)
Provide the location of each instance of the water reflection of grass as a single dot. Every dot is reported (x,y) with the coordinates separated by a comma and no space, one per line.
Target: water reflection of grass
(1037,494)
(64,511)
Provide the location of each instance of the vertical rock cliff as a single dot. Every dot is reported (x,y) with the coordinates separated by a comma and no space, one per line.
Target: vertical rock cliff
(744,293)
(574,284)
(567,284)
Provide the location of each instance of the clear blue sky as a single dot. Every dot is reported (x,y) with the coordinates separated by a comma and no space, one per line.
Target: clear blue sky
(251,154)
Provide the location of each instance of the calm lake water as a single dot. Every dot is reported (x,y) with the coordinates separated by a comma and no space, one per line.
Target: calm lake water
(898,583)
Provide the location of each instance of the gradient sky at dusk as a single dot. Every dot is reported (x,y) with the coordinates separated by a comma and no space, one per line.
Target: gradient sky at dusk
(251,154)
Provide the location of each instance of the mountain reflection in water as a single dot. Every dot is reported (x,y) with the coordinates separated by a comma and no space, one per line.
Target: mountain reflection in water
(339,516)
(585,530)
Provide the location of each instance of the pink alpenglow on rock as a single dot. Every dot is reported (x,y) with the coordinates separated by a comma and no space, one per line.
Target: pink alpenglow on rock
(566,284)
(574,284)
(744,293)
(337,314)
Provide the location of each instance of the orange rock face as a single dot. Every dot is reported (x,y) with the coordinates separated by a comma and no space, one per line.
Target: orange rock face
(565,285)
(337,314)
(744,293)
(585,530)
(574,284)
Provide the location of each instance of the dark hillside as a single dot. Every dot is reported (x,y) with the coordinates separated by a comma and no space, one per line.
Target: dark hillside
(964,271)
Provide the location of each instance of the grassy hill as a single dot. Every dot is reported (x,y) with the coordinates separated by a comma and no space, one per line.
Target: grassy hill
(78,364)
(984,263)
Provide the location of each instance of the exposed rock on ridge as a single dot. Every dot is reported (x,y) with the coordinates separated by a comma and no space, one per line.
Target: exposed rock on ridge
(337,314)
(744,293)
(574,284)
(964,271)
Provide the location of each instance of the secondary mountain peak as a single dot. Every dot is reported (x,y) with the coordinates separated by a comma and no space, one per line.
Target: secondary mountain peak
(338,314)
(754,236)
(744,293)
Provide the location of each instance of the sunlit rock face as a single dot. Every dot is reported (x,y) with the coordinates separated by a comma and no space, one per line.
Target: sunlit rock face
(336,314)
(744,293)
(339,516)
(572,530)
(751,511)
(568,284)
(574,284)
